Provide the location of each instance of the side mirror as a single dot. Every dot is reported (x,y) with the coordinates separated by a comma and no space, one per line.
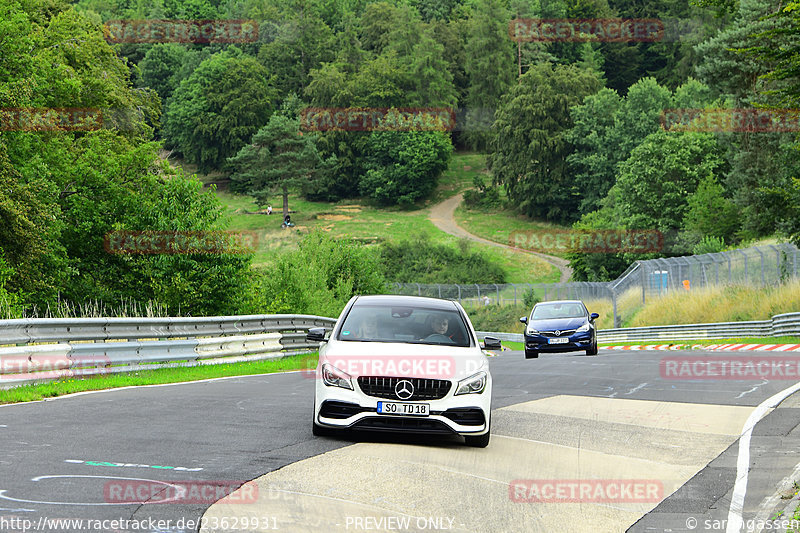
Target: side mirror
(523,319)
(491,343)
(593,316)
(316,335)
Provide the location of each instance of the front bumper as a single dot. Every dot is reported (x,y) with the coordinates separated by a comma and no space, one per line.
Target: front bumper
(465,414)
(576,341)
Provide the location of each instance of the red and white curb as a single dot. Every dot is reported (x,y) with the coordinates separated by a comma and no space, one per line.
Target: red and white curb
(712,347)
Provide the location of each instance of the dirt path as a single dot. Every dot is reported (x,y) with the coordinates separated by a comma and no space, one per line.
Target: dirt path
(442,217)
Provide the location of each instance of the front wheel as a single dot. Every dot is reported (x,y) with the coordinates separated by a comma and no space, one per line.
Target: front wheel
(481,441)
(531,354)
(593,349)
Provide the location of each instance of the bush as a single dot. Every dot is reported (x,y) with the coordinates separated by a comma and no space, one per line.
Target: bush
(708,245)
(530,299)
(319,278)
(482,196)
(418,260)
(403,167)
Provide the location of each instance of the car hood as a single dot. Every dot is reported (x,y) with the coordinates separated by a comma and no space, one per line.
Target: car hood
(552,324)
(404,360)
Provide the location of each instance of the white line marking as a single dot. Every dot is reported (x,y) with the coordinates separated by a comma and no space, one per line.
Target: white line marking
(181,490)
(638,387)
(753,389)
(743,460)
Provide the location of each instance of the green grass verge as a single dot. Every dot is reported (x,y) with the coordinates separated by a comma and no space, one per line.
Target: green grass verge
(516,346)
(737,340)
(29,393)
(498,225)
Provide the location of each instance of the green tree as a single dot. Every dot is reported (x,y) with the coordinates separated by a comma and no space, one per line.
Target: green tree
(160,68)
(279,157)
(530,145)
(660,175)
(302,42)
(709,214)
(431,79)
(403,167)
(595,156)
(218,108)
(490,65)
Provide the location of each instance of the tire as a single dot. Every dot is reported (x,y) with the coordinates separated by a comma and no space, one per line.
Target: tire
(531,354)
(593,349)
(481,441)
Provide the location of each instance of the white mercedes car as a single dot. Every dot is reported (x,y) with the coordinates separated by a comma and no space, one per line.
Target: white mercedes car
(403,364)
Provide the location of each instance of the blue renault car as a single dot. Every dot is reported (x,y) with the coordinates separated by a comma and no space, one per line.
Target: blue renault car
(560,326)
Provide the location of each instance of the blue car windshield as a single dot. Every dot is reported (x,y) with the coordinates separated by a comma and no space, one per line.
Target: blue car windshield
(558,310)
(404,324)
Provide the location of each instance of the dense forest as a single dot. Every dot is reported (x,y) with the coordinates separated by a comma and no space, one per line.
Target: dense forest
(573,129)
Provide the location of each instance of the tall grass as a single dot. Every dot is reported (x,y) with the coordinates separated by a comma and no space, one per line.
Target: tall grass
(724,303)
(88,309)
(629,304)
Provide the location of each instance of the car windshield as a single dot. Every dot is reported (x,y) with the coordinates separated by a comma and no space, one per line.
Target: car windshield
(558,310)
(404,324)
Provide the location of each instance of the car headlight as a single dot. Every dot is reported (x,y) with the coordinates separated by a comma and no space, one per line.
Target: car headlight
(533,332)
(472,385)
(333,377)
(585,327)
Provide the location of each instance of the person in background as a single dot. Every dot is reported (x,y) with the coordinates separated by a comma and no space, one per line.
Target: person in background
(269,209)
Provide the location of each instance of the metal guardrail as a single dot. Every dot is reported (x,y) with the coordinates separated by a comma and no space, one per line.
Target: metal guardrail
(93,346)
(780,325)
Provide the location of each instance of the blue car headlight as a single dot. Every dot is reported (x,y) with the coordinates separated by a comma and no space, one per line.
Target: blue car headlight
(584,328)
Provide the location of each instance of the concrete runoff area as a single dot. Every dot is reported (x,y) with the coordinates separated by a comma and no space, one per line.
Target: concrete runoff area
(379,486)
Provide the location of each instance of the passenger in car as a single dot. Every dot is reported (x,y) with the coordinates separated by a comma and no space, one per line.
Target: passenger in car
(438,324)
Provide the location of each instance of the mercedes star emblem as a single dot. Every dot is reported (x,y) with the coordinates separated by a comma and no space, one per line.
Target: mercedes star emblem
(558,333)
(404,389)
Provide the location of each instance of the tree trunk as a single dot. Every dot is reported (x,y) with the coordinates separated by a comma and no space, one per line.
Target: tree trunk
(285,200)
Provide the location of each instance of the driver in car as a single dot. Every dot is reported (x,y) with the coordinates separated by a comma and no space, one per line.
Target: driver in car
(439,325)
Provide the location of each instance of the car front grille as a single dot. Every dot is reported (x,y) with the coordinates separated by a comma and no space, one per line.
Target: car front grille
(563,333)
(423,389)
